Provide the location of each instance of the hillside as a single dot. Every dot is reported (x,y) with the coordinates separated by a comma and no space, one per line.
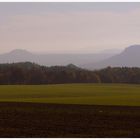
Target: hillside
(128,58)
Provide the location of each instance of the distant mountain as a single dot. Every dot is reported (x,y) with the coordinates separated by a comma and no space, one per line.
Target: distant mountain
(20,55)
(17,55)
(19,51)
(130,57)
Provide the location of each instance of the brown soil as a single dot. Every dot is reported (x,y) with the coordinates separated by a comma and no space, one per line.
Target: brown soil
(40,120)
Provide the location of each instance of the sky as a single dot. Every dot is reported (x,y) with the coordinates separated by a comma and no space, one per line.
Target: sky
(69,27)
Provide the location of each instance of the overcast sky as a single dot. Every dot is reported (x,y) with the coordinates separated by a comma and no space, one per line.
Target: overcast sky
(68,27)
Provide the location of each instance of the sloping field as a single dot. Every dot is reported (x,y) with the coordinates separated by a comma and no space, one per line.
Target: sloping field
(92,94)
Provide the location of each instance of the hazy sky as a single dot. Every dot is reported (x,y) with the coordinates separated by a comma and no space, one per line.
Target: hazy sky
(68,27)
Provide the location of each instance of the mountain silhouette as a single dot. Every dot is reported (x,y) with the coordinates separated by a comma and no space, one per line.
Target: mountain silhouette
(20,55)
(130,57)
(19,52)
(17,55)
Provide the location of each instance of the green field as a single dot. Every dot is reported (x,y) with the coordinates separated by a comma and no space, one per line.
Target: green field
(92,94)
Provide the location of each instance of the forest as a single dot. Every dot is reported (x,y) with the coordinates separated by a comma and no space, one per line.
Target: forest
(31,73)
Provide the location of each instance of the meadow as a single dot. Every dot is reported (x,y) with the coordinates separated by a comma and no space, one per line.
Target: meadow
(88,94)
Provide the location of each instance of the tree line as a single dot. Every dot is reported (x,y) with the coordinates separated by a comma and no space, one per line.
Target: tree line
(30,73)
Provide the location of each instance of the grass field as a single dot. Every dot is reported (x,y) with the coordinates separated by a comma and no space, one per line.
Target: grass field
(92,94)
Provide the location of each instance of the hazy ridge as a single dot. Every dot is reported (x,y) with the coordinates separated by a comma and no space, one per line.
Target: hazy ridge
(128,58)
(20,55)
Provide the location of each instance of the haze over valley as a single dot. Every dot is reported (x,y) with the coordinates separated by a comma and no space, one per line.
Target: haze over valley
(20,55)
(127,58)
